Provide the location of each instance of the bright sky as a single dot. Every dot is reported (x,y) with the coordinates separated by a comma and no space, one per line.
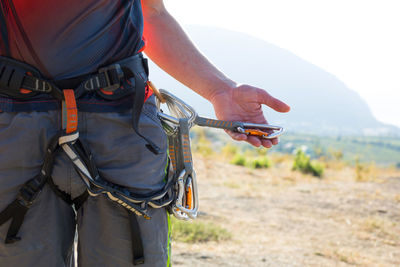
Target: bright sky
(358,41)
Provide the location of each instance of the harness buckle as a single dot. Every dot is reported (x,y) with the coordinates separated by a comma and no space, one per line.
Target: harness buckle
(42,86)
(113,75)
(11,77)
(28,193)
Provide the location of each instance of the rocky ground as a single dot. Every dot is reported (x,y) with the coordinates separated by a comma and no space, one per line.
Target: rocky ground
(278,217)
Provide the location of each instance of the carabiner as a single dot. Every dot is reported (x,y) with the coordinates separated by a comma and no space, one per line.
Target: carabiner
(187,203)
(261,130)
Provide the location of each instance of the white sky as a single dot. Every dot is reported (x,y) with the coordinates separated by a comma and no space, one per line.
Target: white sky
(356,40)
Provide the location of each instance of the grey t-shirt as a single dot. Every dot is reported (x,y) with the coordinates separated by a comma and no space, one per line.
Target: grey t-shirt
(64,39)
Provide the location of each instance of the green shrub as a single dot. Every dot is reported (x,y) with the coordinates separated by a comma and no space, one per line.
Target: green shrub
(316,168)
(260,162)
(303,164)
(239,160)
(193,232)
(301,161)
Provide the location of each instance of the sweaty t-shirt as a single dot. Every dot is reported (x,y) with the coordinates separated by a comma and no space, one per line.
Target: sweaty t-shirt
(65,39)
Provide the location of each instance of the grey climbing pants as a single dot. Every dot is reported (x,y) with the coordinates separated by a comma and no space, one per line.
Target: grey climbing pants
(104,239)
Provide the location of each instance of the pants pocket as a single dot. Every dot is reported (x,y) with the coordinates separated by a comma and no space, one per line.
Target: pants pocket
(121,155)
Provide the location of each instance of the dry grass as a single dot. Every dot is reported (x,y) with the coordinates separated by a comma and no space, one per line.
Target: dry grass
(280,217)
(383,228)
(198,231)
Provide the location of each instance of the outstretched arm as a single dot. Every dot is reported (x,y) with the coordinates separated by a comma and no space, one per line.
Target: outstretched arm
(171,49)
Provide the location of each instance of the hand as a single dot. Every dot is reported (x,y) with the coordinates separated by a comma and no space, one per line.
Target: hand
(243,103)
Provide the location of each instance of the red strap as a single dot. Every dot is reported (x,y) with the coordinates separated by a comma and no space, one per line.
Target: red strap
(70,111)
(148,93)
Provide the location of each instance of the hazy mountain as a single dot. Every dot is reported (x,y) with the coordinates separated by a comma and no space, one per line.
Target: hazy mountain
(320,102)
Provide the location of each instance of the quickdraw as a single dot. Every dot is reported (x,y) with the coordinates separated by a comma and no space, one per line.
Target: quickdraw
(177,125)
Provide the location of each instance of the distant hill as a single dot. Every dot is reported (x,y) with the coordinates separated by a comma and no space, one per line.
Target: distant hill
(321,103)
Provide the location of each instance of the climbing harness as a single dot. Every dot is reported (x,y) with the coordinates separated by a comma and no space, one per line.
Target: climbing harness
(21,81)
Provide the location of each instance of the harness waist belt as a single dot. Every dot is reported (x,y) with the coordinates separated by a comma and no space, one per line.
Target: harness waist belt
(22,81)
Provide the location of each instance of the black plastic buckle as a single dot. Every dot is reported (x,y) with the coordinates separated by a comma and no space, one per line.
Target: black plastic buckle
(11,78)
(29,192)
(26,197)
(113,75)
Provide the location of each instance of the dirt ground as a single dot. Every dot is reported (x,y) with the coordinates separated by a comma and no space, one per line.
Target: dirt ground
(278,217)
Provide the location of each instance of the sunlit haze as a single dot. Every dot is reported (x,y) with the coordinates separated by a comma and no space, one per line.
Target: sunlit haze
(356,40)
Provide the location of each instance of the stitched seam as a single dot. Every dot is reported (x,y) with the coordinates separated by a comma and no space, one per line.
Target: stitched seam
(100,103)
(27,102)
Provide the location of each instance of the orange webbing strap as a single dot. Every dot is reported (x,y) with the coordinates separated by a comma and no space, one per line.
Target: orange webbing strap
(69,112)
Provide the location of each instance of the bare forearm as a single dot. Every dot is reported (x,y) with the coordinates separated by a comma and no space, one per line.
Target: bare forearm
(171,49)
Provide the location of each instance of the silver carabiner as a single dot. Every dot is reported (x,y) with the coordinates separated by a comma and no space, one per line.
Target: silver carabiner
(187,204)
(261,130)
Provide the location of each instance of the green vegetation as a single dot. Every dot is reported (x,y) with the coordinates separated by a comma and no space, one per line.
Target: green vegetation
(259,162)
(384,151)
(303,163)
(197,231)
(239,160)
(253,162)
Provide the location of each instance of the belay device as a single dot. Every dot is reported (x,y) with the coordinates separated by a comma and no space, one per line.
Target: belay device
(177,124)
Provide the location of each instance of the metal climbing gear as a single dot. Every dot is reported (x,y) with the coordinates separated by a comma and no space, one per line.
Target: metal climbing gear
(177,126)
(177,123)
(264,131)
(180,108)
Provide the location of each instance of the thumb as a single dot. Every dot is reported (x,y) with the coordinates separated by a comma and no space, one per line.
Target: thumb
(264,98)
